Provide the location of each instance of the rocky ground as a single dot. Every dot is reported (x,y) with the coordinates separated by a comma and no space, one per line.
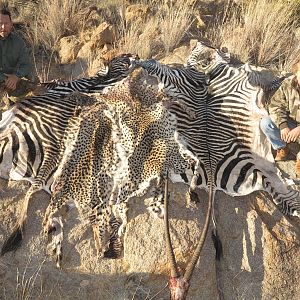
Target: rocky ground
(261,247)
(288,166)
(261,252)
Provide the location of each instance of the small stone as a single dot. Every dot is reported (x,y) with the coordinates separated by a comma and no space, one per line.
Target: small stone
(84,283)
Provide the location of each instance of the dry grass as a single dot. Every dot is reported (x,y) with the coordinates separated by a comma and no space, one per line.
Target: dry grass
(55,19)
(161,32)
(26,284)
(140,38)
(261,32)
(175,23)
(51,20)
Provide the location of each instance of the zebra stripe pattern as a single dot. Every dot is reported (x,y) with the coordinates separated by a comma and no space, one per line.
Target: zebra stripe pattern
(30,134)
(32,130)
(221,132)
(117,69)
(238,170)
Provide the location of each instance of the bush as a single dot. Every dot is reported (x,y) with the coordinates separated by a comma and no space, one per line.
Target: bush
(55,19)
(261,32)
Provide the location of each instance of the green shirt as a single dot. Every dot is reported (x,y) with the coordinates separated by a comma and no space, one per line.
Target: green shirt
(14,57)
(285,104)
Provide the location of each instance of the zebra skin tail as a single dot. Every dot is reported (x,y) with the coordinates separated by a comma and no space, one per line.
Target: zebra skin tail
(115,249)
(14,241)
(219,254)
(217,244)
(115,246)
(215,236)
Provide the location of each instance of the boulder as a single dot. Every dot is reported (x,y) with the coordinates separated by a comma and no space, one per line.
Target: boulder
(101,37)
(179,55)
(260,252)
(103,34)
(100,40)
(137,12)
(69,47)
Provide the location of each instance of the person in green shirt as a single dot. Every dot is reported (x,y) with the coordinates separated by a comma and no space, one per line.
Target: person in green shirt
(16,76)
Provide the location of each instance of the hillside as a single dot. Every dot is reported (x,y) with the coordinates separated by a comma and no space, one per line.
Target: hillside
(261,253)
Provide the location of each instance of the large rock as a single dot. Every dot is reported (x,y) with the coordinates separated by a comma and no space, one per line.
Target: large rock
(137,13)
(180,54)
(69,47)
(104,34)
(100,40)
(261,252)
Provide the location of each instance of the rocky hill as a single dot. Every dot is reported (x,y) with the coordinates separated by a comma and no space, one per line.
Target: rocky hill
(261,247)
(260,260)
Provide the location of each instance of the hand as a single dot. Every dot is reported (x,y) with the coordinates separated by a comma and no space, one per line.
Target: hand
(293,134)
(11,81)
(284,134)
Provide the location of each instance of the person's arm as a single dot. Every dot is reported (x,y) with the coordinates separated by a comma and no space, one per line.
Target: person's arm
(2,77)
(24,67)
(278,108)
(11,81)
(293,134)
